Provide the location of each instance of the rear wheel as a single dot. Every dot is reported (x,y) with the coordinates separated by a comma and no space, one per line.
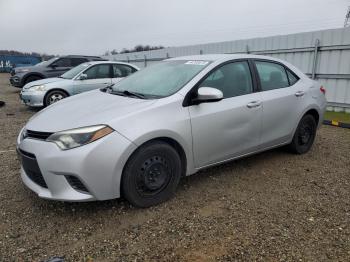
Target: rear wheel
(32,78)
(151,174)
(54,96)
(304,135)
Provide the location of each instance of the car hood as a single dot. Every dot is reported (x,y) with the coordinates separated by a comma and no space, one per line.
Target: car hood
(32,68)
(18,68)
(45,82)
(90,108)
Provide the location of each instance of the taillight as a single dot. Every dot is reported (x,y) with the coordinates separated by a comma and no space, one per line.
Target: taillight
(323,90)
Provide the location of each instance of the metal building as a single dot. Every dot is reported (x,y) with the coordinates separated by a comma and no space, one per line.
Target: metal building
(323,55)
(7,62)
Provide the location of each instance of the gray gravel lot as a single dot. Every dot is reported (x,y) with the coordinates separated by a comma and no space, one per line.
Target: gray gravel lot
(274,206)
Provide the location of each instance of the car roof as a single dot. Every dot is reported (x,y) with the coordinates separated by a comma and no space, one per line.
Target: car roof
(81,56)
(222,57)
(109,62)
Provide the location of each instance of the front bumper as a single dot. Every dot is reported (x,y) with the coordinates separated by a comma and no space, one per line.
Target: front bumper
(16,81)
(32,98)
(98,166)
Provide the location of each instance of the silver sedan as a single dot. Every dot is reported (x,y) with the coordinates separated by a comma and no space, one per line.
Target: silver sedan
(82,78)
(136,139)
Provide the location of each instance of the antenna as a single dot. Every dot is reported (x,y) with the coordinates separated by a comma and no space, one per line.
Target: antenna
(347,18)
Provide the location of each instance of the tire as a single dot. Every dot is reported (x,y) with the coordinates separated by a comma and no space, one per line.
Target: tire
(54,96)
(151,175)
(304,135)
(32,78)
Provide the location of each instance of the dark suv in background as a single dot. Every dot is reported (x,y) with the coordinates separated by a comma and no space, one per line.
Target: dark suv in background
(51,68)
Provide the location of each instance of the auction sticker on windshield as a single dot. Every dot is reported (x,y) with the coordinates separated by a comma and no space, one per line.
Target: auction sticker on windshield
(201,63)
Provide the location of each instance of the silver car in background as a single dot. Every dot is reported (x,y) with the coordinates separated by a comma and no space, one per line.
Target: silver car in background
(82,78)
(136,139)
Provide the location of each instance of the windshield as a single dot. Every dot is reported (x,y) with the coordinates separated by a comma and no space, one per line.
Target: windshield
(45,63)
(74,71)
(40,64)
(162,79)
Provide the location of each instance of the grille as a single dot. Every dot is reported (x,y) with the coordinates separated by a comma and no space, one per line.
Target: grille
(31,167)
(38,135)
(76,184)
(36,178)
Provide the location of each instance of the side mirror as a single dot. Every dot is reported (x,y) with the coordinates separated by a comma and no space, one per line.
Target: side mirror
(83,77)
(207,94)
(53,66)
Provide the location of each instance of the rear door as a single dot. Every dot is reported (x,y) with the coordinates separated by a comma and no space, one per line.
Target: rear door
(231,127)
(98,76)
(283,96)
(120,71)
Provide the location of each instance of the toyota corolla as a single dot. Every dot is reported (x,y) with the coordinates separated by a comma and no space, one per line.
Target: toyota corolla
(82,78)
(137,138)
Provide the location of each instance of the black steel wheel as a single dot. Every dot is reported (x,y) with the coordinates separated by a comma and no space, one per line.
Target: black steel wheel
(304,135)
(151,175)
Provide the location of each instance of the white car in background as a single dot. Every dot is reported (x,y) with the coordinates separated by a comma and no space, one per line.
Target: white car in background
(82,78)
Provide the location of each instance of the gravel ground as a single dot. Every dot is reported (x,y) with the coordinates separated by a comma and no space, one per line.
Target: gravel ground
(274,206)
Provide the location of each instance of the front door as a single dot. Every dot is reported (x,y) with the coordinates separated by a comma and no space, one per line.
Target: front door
(231,127)
(58,67)
(98,76)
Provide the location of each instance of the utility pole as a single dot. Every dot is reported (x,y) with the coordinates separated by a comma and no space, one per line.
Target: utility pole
(347,18)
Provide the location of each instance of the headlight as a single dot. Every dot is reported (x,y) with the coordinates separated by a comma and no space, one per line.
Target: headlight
(38,88)
(77,137)
(19,70)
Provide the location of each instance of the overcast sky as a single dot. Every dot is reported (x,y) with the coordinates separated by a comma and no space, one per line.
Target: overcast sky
(93,26)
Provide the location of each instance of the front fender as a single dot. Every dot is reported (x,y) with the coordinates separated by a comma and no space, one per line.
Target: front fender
(187,148)
(29,74)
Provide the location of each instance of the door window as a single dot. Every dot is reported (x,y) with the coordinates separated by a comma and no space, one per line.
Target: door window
(98,71)
(272,75)
(62,62)
(233,79)
(77,61)
(120,70)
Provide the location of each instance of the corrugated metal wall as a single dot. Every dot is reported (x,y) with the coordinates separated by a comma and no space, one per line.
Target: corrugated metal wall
(330,48)
(9,61)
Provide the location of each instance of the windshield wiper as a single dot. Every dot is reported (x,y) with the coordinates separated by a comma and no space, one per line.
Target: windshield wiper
(109,89)
(128,93)
(138,95)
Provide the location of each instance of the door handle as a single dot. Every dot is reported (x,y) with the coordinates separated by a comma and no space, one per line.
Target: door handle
(254,104)
(299,93)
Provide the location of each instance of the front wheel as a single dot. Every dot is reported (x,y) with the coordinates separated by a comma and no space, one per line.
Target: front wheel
(304,135)
(151,175)
(53,97)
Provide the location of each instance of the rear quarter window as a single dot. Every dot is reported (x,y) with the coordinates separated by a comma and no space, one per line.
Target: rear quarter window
(292,77)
